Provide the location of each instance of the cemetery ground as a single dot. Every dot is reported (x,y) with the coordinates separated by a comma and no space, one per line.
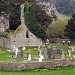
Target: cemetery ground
(61,71)
(6,56)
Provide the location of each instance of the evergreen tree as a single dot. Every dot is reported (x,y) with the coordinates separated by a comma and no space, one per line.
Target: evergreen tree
(31,21)
(70,28)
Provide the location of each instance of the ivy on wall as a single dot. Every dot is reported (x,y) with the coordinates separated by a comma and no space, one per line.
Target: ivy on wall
(31,21)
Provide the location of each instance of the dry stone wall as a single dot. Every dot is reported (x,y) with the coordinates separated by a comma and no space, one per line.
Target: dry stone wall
(37,65)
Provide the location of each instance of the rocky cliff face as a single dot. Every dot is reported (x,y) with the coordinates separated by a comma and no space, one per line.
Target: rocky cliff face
(66,7)
(50,8)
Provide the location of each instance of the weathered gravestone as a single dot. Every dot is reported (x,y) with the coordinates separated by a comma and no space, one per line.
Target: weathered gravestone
(63,55)
(18,56)
(73,49)
(58,48)
(13,48)
(39,51)
(49,52)
(45,53)
(29,57)
(22,51)
(55,53)
(69,54)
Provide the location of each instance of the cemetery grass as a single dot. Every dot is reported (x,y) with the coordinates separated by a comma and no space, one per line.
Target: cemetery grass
(61,71)
(7,56)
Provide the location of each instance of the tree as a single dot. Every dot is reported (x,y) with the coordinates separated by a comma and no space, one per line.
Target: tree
(70,28)
(57,28)
(31,21)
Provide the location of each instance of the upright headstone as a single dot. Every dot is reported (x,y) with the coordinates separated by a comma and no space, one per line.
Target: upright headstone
(73,49)
(49,52)
(58,48)
(39,51)
(69,54)
(13,48)
(63,55)
(45,53)
(29,57)
(16,51)
(18,56)
(22,51)
(55,54)
(40,58)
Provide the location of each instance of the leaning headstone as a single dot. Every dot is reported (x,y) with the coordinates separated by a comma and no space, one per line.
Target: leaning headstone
(29,57)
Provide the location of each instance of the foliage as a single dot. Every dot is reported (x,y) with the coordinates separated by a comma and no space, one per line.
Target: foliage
(56,29)
(42,17)
(17,30)
(13,11)
(70,28)
(31,21)
(4,34)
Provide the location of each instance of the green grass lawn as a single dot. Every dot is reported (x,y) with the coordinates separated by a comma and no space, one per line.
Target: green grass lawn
(63,71)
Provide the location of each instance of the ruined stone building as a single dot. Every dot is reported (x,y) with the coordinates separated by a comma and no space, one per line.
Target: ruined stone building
(4,23)
(24,37)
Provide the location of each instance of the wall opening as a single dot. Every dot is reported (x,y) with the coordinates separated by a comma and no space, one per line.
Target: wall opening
(27,34)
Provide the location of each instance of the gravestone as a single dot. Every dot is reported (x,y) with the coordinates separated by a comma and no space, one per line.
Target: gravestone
(63,55)
(69,54)
(58,48)
(55,53)
(73,49)
(49,52)
(16,51)
(29,57)
(45,53)
(39,51)
(22,51)
(18,56)
(13,48)
(40,58)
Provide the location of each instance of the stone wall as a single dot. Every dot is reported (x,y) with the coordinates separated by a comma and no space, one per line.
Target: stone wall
(5,42)
(37,65)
